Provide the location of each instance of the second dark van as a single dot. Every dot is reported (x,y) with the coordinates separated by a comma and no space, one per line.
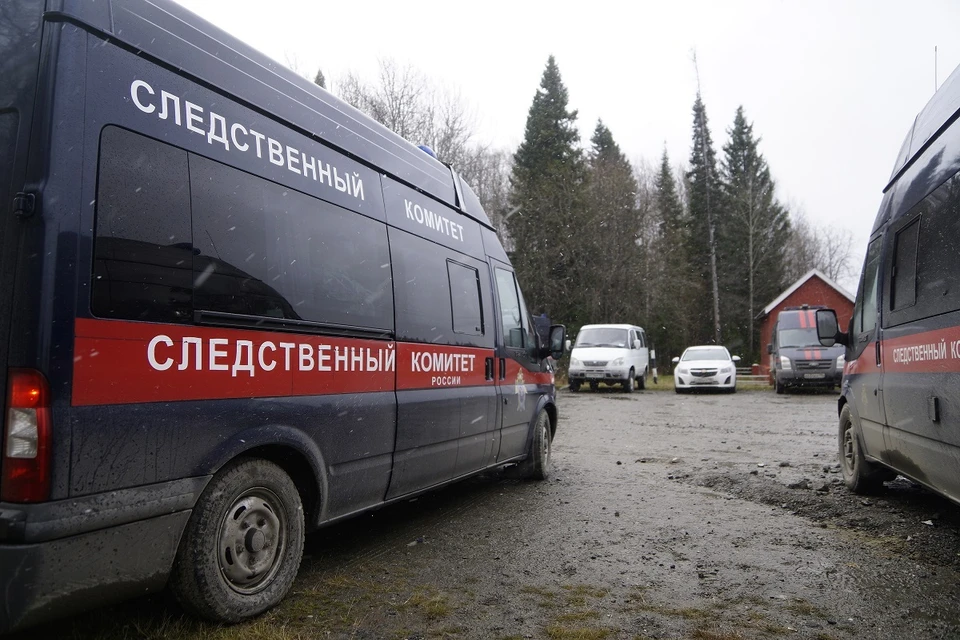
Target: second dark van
(797,359)
(900,404)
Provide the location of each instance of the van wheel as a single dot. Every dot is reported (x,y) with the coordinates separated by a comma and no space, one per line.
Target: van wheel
(629,382)
(242,546)
(859,475)
(642,381)
(594,386)
(778,386)
(537,464)
(574,386)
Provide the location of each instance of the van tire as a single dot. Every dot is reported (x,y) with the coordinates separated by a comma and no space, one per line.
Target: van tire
(209,577)
(537,464)
(779,386)
(574,386)
(594,386)
(630,382)
(642,381)
(860,476)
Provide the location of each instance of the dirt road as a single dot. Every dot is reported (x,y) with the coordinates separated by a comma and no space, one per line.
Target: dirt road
(706,516)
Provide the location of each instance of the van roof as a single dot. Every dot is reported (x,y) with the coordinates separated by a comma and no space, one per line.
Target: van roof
(941,110)
(179,39)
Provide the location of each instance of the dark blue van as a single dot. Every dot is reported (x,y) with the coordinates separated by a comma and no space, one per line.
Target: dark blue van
(900,404)
(233,309)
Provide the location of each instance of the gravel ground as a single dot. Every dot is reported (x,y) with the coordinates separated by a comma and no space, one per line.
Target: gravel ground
(667,516)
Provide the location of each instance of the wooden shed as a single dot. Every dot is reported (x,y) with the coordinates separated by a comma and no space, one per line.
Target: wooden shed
(813,289)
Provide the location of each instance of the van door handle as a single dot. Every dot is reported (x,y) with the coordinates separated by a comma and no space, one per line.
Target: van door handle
(488,369)
(503,368)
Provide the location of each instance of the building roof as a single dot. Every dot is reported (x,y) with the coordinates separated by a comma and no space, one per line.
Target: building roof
(799,283)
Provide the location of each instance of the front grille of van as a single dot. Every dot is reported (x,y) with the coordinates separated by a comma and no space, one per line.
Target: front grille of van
(814,365)
(594,363)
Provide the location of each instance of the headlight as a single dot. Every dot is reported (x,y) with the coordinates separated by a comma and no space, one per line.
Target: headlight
(726,370)
(841,360)
(616,363)
(683,370)
(785,362)
(574,362)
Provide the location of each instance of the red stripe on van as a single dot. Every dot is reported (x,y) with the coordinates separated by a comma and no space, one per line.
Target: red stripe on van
(119,362)
(803,320)
(812,319)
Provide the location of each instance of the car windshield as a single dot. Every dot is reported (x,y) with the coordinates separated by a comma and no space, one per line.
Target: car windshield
(716,353)
(798,338)
(602,337)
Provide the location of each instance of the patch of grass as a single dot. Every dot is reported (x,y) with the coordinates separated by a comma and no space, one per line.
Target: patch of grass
(803,608)
(432,605)
(825,636)
(559,632)
(687,613)
(706,634)
(538,591)
(586,590)
(578,616)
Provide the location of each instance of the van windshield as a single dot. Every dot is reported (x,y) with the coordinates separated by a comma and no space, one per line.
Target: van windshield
(799,338)
(602,337)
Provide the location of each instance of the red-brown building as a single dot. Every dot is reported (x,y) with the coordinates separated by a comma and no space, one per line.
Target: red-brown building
(814,289)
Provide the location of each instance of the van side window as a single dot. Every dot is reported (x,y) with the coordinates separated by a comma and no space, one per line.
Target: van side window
(142,246)
(938,279)
(465,299)
(905,266)
(865,311)
(510,313)
(267,250)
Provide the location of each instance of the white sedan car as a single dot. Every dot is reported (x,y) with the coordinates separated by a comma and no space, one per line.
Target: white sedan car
(705,367)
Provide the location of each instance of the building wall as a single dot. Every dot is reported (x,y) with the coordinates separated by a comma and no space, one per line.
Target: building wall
(813,292)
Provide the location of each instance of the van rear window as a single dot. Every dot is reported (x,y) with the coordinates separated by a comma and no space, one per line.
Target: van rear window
(143,252)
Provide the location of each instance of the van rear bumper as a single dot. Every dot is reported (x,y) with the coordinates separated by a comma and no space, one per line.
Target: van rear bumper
(48,580)
(61,557)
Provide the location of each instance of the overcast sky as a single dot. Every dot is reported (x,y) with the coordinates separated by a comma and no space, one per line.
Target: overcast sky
(831,87)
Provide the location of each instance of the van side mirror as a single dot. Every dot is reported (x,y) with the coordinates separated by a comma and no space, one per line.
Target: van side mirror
(769,348)
(558,335)
(568,345)
(828,329)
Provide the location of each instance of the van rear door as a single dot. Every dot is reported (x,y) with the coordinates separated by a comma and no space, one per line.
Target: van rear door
(20,31)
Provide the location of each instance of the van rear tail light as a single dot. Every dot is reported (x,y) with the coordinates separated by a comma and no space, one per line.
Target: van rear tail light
(26,444)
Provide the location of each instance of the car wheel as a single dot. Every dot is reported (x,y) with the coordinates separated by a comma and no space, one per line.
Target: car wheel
(733,389)
(574,386)
(594,386)
(537,464)
(860,476)
(630,381)
(242,546)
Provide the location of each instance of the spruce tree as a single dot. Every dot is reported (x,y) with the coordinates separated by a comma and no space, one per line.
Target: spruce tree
(548,182)
(753,235)
(672,328)
(320,80)
(611,278)
(704,209)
